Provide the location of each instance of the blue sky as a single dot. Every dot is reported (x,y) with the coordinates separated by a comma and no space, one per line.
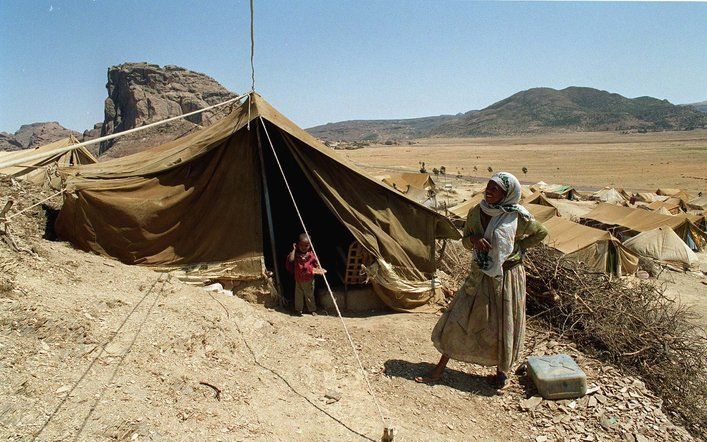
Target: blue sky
(324,61)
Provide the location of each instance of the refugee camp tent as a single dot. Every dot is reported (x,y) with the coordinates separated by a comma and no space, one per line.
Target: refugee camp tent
(419,180)
(597,249)
(404,181)
(557,191)
(664,245)
(649,197)
(611,195)
(538,198)
(625,222)
(427,198)
(462,210)
(38,171)
(673,206)
(699,203)
(541,213)
(676,193)
(218,195)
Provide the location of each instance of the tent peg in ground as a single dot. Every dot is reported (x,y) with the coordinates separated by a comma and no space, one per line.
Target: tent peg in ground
(387,435)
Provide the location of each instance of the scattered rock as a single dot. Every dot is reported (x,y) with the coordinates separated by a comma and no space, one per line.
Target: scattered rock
(332,396)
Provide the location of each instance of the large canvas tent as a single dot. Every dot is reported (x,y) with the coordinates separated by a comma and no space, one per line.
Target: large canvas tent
(218,195)
(664,245)
(599,250)
(625,222)
(38,171)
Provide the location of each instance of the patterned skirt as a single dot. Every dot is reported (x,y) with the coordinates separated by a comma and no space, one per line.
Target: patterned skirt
(485,322)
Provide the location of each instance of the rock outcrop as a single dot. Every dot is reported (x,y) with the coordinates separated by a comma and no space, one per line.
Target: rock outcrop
(9,143)
(142,93)
(29,136)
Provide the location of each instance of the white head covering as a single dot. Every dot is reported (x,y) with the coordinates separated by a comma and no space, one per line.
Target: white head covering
(501,230)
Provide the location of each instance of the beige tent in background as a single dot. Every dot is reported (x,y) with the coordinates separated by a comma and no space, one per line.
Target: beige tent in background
(664,245)
(675,193)
(611,195)
(625,222)
(42,171)
(538,198)
(217,195)
(699,203)
(541,213)
(404,181)
(597,249)
(462,210)
(672,205)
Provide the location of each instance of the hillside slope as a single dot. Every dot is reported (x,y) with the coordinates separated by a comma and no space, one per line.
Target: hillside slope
(380,130)
(541,110)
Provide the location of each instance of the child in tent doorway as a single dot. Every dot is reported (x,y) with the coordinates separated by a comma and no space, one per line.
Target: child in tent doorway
(303,264)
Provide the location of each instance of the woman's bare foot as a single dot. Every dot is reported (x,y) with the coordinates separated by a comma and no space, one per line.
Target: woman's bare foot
(499,380)
(430,377)
(436,373)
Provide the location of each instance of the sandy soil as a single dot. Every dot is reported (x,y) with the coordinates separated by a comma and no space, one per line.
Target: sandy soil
(91,349)
(586,160)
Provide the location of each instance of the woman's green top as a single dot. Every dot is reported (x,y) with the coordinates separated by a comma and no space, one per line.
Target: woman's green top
(528,233)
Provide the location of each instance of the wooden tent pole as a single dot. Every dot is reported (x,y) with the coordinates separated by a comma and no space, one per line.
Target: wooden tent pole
(271,227)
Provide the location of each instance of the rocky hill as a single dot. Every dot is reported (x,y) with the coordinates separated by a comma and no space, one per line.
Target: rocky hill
(142,93)
(381,130)
(29,136)
(538,110)
(541,110)
(701,106)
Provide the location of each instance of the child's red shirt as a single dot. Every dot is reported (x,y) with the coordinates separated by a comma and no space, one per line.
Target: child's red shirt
(303,266)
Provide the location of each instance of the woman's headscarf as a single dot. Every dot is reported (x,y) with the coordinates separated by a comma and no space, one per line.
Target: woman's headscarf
(501,230)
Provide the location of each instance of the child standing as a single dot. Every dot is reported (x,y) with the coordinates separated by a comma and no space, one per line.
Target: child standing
(303,263)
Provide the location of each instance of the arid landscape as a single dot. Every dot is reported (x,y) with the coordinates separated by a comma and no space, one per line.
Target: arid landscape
(588,160)
(159,163)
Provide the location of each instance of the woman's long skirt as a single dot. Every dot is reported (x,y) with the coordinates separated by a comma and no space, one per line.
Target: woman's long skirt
(485,322)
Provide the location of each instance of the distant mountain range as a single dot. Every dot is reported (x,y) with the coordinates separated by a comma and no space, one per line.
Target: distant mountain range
(701,106)
(141,93)
(538,110)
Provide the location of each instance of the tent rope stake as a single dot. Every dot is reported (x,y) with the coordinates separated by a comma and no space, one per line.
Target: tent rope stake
(388,431)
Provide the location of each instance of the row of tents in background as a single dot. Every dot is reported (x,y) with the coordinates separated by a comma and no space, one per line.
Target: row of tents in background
(667,225)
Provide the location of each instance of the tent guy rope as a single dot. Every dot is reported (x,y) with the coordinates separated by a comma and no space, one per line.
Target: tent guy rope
(50,153)
(388,431)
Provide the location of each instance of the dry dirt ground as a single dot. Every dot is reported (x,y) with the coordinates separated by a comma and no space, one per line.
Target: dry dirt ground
(587,160)
(91,349)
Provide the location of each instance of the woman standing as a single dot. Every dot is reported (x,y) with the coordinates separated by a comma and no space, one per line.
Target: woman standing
(485,322)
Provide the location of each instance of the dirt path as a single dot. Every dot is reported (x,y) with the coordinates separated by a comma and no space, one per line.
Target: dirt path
(91,349)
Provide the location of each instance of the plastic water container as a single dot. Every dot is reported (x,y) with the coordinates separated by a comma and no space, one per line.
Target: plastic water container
(557,377)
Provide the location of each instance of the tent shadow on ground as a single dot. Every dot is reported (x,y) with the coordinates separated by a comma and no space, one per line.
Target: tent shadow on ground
(459,380)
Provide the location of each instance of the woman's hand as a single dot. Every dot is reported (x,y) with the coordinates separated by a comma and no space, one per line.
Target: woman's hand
(480,243)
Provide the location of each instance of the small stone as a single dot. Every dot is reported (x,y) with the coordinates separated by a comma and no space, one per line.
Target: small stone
(641,438)
(531,403)
(332,396)
(608,422)
(541,439)
(63,389)
(602,399)
(592,402)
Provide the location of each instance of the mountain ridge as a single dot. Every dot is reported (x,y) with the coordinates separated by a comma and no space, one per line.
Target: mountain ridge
(536,110)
